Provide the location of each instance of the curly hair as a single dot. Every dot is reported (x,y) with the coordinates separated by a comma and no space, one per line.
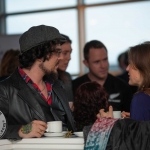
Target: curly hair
(43,50)
(90,97)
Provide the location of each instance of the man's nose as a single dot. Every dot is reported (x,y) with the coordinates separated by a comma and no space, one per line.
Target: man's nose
(60,56)
(102,64)
(69,57)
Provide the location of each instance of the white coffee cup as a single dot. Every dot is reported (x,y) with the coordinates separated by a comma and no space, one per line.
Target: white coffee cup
(54,126)
(117,114)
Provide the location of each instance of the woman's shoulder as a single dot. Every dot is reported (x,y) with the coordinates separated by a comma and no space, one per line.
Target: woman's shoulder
(141,95)
(140,99)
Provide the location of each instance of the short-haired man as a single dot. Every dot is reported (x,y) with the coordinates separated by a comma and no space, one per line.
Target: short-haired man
(29,97)
(96,59)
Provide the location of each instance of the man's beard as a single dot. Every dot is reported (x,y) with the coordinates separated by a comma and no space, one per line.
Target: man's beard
(49,73)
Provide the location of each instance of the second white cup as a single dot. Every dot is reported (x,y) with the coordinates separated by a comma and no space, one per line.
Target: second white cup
(54,126)
(117,114)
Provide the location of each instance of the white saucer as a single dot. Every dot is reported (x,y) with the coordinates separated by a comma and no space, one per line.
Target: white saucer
(80,134)
(55,134)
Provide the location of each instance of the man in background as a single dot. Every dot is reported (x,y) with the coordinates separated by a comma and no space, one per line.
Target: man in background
(96,59)
(64,76)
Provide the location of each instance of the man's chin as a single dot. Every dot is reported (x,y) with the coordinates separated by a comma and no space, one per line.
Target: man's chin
(103,76)
(62,69)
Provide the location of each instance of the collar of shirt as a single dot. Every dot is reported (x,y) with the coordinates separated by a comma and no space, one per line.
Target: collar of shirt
(27,79)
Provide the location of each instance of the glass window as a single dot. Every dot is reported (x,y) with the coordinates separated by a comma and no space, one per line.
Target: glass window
(100,1)
(64,21)
(28,5)
(118,26)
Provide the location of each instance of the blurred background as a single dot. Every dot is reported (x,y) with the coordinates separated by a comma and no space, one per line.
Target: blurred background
(119,24)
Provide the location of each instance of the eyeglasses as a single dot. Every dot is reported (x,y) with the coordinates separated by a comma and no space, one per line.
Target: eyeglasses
(57,52)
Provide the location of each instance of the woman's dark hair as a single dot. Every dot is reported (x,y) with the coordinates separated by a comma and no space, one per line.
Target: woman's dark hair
(9,62)
(139,57)
(90,97)
(43,50)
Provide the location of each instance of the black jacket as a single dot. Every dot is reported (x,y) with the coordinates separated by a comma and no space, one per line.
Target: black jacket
(128,134)
(20,103)
(119,92)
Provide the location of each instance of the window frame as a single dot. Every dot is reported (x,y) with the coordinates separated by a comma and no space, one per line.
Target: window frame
(81,6)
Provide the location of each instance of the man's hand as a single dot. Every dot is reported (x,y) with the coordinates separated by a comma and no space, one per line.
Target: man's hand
(125,114)
(35,128)
(105,114)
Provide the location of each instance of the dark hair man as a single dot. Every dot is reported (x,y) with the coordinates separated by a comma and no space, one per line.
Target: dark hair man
(29,97)
(96,59)
(64,76)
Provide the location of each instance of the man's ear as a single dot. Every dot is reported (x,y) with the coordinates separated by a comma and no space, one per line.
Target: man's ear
(86,63)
